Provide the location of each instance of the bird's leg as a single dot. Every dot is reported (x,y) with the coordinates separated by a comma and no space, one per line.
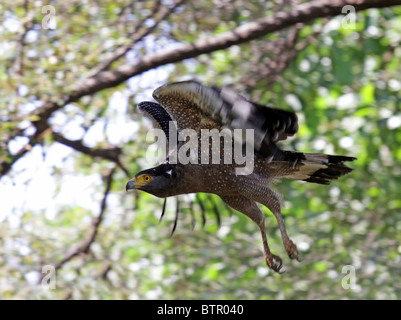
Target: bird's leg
(251,209)
(273,261)
(289,245)
(272,200)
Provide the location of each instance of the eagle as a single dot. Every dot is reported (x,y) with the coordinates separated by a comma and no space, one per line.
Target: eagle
(209,165)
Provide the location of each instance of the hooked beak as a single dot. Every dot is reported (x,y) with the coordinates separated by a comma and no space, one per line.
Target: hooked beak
(130,185)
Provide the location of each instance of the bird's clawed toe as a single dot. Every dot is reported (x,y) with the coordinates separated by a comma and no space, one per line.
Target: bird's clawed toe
(292,250)
(274,262)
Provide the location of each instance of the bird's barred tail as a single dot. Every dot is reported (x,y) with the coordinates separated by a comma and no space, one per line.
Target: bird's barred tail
(317,167)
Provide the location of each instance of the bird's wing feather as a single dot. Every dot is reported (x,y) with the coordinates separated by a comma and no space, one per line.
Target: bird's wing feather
(158,115)
(188,103)
(195,106)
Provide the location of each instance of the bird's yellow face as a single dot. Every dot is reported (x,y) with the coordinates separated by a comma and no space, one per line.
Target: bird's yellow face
(142,180)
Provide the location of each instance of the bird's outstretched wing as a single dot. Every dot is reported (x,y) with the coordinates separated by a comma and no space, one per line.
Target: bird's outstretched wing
(195,106)
(159,116)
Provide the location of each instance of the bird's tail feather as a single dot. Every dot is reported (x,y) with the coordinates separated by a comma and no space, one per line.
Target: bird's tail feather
(316,167)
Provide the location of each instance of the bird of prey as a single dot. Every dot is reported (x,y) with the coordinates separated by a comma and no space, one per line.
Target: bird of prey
(188,105)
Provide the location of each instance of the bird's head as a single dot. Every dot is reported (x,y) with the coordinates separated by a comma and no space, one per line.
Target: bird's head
(158,181)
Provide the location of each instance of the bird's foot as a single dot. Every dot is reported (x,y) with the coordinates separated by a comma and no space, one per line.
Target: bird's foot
(274,262)
(292,250)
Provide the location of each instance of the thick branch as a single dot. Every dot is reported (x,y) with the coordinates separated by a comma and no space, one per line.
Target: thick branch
(250,31)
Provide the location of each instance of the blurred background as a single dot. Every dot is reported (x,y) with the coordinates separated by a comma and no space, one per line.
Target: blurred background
(71,137)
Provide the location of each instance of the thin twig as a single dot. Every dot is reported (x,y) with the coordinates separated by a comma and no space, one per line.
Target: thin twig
(112,154)
(159,13)
(84,247)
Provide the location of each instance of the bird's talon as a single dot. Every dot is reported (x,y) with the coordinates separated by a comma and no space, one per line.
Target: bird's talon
(292,250)
(275,263)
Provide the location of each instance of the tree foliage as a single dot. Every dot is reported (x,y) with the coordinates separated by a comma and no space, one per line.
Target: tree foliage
(71,137)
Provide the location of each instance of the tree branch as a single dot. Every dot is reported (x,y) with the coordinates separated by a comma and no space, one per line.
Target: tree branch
(105,153)
(19,56)
(86,244)
(158,14)
(112,154)
(247,32)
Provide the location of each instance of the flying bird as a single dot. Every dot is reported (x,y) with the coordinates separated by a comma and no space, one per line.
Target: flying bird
(191,109)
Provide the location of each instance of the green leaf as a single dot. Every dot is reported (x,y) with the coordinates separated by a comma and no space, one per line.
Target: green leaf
(367,93)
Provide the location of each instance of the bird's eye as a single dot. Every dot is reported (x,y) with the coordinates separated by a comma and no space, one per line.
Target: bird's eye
(146,178)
